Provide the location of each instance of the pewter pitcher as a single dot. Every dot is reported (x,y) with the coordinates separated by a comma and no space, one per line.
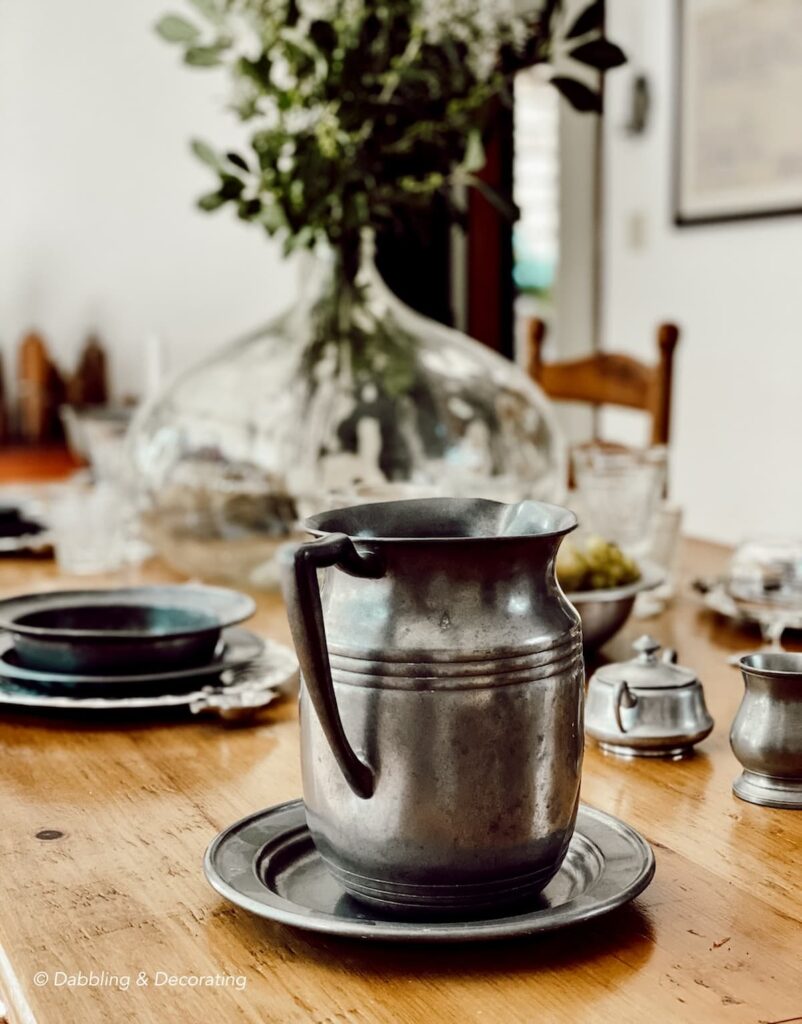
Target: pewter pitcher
(441,703)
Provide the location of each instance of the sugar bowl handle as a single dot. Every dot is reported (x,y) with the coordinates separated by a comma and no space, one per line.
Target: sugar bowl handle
(302,595)
(622,697)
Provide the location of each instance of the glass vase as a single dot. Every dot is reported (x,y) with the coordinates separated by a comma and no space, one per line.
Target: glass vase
(349,396)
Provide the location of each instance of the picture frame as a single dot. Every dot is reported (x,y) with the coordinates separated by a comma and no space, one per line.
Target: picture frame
(738,112)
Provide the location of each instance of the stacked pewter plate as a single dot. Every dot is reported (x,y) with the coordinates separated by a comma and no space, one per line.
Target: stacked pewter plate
(137,649)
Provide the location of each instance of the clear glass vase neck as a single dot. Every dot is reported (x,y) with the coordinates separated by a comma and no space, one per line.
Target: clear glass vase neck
(347,263)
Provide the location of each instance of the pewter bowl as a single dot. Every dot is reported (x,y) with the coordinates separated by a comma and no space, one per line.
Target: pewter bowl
(604,612)
(123,629)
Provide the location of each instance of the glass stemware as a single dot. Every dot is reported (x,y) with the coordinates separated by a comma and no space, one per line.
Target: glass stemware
(619,491)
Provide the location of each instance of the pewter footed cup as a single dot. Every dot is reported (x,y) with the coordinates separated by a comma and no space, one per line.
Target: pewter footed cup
(766,735)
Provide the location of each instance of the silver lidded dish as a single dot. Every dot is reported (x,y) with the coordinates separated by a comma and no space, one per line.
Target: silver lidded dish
(647,707)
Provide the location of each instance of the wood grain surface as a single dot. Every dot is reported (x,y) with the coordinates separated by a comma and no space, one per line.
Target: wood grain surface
(129,809)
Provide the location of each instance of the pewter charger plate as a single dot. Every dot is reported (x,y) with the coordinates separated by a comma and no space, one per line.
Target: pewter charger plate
(267,864)
(237,694)
(237,648)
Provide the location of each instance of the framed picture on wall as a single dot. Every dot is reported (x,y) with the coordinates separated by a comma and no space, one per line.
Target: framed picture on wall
(738,140)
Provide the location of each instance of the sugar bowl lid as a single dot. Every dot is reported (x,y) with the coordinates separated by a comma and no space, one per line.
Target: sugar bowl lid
(647,671)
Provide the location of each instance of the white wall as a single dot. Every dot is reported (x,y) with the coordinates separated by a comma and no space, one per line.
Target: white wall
(573,334)
(98,228)
(736,291)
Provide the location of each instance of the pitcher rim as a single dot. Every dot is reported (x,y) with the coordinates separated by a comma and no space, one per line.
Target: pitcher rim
(746,664)
(311,524)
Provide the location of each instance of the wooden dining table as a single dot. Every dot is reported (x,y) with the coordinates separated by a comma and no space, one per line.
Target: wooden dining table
(106,915)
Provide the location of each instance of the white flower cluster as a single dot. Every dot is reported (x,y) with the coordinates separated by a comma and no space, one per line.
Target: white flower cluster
(483,26)
(328,10)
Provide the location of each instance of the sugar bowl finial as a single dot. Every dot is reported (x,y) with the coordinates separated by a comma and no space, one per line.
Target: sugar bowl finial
(647,648)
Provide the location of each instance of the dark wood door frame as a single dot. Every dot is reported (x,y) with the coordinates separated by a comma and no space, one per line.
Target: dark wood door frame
(490,286)
(417,264)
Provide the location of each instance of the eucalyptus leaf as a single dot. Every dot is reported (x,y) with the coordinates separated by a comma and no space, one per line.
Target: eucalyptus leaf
(474,159)
(589,20)
(223,165)
(256,70)
(272,218)
(249,209)
(177,30)
(203,56)
(211,201)
(236,159)
(599,53)
(323,35)
(203,151)
(209,9)
(231,187)
(578,94)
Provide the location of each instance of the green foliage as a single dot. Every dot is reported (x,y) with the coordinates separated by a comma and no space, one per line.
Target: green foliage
(177,30)
(591,19)
(362,110)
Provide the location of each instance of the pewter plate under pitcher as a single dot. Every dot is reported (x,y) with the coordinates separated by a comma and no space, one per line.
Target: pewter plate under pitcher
(268,865)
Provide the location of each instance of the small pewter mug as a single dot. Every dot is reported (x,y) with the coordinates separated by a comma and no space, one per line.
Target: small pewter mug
(441,699)
(766,734)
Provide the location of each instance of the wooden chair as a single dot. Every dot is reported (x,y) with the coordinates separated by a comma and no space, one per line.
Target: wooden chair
(610,378)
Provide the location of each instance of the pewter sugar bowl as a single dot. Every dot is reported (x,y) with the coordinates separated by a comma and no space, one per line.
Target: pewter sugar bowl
(647,707)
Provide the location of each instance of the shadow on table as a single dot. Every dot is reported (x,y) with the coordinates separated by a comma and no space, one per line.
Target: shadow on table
(180,717)
(624,938)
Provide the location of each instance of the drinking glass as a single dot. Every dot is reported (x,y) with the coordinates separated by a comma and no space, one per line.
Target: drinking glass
(87,529)
(619,491)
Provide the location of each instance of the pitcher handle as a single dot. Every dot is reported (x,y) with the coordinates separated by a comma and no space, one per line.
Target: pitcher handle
(302,595)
